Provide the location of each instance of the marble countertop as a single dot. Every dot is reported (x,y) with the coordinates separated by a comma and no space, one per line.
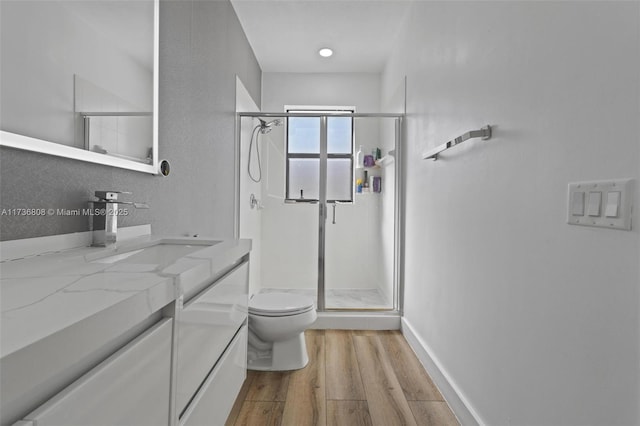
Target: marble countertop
(43,296)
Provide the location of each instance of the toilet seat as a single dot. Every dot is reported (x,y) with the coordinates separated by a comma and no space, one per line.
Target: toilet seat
(279,304)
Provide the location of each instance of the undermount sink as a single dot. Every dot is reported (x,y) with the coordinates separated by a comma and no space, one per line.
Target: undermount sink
(161,252)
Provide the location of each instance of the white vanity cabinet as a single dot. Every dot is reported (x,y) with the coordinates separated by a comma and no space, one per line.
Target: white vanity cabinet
(206,326)
(213,402)
(132,387)
(151,333)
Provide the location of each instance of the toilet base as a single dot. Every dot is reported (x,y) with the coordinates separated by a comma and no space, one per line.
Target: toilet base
(285,355)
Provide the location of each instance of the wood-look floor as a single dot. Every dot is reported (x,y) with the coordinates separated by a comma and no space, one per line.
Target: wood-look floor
(354,378)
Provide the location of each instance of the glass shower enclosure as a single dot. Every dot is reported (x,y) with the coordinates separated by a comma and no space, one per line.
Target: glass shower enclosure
(326,219)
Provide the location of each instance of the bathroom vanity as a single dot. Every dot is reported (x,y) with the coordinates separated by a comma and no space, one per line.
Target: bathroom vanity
(152,331)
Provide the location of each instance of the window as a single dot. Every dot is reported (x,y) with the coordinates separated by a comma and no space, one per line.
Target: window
(303,157)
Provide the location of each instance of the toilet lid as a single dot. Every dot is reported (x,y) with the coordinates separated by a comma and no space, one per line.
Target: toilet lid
(277,304)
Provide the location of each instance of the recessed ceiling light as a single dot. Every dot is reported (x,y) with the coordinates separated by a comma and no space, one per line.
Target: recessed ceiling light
(325,52)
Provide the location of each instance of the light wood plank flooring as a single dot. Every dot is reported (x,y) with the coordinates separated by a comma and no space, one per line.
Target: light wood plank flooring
(354,378)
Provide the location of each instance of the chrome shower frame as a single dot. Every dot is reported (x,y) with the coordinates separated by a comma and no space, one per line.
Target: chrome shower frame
(398,303)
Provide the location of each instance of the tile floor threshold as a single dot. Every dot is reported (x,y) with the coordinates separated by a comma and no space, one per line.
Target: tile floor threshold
(343,298)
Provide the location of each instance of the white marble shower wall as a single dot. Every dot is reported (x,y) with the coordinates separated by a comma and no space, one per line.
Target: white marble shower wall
(250,218)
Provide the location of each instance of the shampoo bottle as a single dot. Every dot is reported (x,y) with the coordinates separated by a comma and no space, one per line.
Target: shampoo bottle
(359,158)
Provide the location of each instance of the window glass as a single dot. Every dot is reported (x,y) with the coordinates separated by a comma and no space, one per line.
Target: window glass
(339,135)
(303,157)
(339,179)
(304,175)
(304,135)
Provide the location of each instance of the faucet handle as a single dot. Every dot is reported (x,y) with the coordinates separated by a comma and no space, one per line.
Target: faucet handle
(109,195)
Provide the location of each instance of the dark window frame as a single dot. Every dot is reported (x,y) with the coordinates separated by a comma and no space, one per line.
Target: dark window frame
(345,156)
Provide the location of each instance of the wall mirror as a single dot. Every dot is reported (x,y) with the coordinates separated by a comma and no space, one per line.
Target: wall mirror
(79,80)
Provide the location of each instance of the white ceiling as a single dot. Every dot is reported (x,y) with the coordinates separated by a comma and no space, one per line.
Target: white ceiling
(287,34)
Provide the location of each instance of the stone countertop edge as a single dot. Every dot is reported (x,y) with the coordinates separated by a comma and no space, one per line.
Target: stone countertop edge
(185,276)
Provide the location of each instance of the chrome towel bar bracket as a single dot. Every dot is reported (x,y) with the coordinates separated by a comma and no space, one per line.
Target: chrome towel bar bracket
(484,133)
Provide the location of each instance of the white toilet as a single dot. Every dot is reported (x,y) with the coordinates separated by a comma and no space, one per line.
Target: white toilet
(277,322)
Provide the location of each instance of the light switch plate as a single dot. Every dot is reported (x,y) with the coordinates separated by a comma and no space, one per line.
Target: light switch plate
(625,206)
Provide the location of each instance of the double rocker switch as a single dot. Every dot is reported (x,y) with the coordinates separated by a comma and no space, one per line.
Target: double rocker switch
(594,202)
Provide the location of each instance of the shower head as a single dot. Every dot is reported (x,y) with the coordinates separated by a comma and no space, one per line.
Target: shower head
(265,127)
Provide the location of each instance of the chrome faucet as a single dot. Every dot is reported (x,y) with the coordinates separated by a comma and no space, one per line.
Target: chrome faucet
(104,216)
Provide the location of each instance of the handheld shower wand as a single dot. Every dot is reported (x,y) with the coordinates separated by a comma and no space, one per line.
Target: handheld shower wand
(263,128)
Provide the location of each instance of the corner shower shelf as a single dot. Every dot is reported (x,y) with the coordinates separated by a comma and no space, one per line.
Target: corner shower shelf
(385,161)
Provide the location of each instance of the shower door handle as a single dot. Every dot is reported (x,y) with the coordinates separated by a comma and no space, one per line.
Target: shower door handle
(335,203)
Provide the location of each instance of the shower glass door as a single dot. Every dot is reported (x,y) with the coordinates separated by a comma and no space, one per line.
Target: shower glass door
(359,271)
(324,225)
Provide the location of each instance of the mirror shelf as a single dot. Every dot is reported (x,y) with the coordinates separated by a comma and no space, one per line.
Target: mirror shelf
(27,143)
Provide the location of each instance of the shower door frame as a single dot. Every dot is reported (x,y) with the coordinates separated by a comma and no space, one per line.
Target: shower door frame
(398,261)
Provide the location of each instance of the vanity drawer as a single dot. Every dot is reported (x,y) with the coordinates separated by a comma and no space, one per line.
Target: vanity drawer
(213,402)
(206,325)
(129,388)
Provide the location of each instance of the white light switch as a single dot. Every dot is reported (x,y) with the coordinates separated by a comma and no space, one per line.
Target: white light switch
(593,208)
(577,204)
(604,204)
(613,201)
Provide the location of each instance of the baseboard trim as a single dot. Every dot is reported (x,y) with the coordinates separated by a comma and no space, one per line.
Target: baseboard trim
(458,403)
(356,321)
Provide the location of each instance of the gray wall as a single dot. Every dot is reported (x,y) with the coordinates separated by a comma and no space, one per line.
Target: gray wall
(524,314)
(202,48)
